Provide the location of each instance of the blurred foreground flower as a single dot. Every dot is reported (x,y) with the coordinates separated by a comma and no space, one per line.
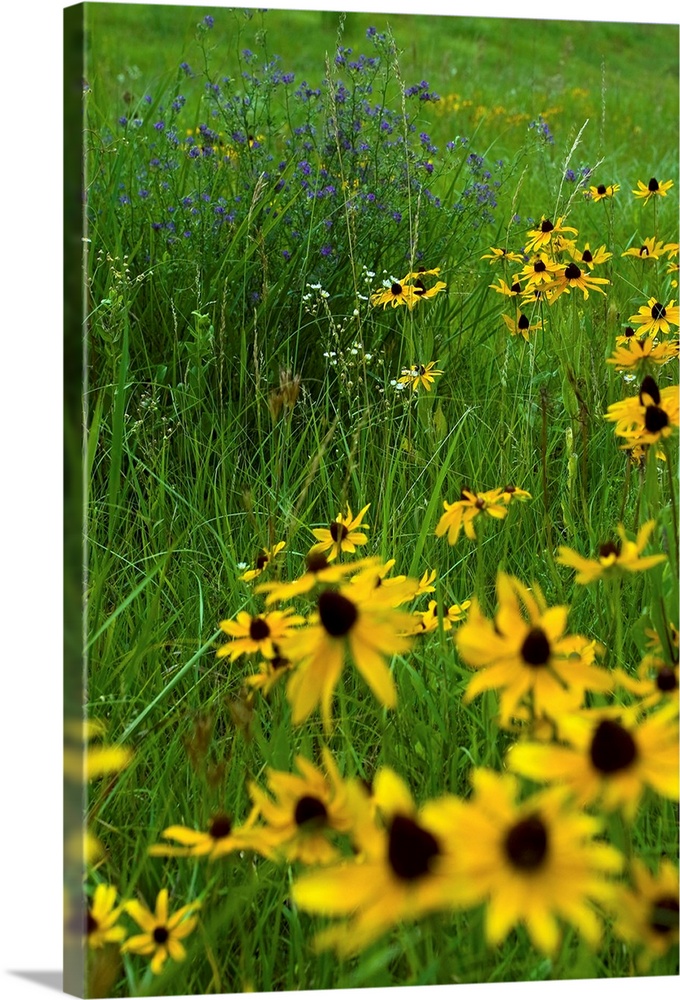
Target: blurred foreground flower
(102,918)
(405,867)
(533,862)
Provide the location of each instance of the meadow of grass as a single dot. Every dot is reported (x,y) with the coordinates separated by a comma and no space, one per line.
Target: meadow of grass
(256,182)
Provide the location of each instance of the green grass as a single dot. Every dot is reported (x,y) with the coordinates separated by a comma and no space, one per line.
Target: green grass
(188,475)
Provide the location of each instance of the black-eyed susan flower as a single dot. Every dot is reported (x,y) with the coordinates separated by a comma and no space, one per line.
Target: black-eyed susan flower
(421,291)
(270,673)
(101,918)
(613,557)
(609,758)
(521,324)
(591,258)
(511,493)
(634,353)
(348,622)
(405,866)
(420,375)
(647,913)
(652,189)
(461,513)
(396,293)
(258,633)
(162,933)
(501,254)
(343,535)
(655,318)
(319,571)
(263,559)
(656,684)
(302,811)
(539,272)
(570,277)
(601,192)
(504,289)
(428,621)
(649,249)
(534,862)
(401,588)
(647,417)
(542,237)
(525,652)
(220,838)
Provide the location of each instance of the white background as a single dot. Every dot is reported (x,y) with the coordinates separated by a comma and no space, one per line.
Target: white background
(31,476)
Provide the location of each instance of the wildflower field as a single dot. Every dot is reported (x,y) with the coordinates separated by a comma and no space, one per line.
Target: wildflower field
(381,395)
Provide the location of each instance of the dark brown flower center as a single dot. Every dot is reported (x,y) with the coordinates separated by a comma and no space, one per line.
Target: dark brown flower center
(572,272)
(655,419)
(259,630)
(396,289)
(601,189)
(666,680)
(536,648)
(418,287)
(658,311)
(161,935)
(629,332)
(609,549)
(338,531)
(316,561)
(547,226)
(612,748)
(644,251)
(516,288)
(220,826)
(338,614)
(653,184)
(91,923)
(539,265)
(587,256)
(261,560)
(278,662)
(480,503)
(523,323)
(648,387)
(526,844)
(664,915)
(411,849)
(310,811)
(421,369)
(509,489)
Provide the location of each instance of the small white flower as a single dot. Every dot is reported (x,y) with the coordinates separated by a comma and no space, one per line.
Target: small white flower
(354,351)
(329,354)
(355,313)
(241,565)
(324,294)
(367,357)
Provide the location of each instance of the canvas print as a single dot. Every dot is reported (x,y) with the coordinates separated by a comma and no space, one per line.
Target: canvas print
(372,500)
